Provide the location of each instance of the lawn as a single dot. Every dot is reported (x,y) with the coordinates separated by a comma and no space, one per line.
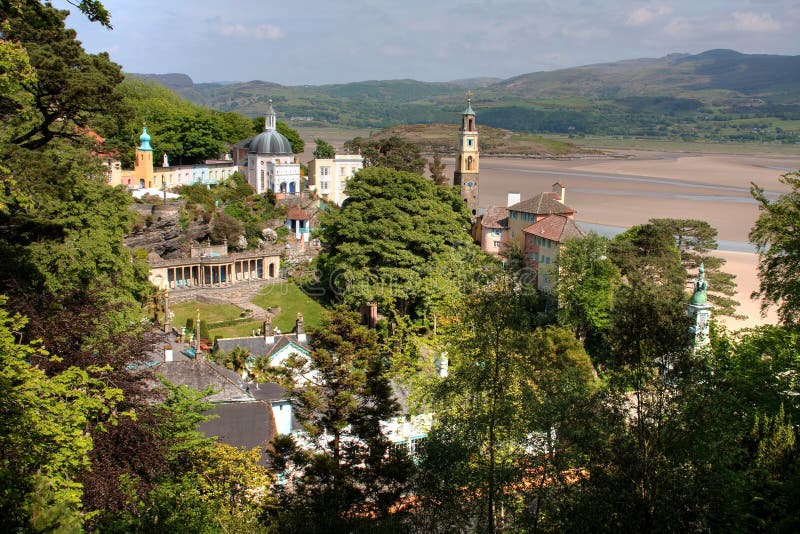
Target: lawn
(290,299)
(210,313)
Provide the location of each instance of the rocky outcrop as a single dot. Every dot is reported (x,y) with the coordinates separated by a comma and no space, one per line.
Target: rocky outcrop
(160,232)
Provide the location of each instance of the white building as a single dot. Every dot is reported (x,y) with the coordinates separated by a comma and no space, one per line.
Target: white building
(270,162)
(328,177)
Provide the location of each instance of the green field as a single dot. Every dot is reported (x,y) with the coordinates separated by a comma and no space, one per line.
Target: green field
(290,299)
(210,313)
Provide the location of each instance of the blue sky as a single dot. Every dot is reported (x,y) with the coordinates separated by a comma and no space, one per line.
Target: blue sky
(296,42)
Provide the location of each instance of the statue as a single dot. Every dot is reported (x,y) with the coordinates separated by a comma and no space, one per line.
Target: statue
(700,287)
(166,160)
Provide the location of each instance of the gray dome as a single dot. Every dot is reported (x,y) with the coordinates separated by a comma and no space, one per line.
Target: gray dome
(270,142)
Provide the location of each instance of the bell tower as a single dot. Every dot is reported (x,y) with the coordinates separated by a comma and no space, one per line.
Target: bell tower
(468,158)
(143,165)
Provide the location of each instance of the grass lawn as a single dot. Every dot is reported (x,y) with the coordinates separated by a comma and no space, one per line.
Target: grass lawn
(237,330)
(210,313)
(290,299)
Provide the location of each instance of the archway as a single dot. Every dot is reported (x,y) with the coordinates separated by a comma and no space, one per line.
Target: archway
(292,188)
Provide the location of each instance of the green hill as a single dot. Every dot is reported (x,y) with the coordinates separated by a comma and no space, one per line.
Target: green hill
(715,95)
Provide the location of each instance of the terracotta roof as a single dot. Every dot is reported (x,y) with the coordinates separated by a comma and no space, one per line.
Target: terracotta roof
(542,204)
(297,214)
(495,217)
(556,228)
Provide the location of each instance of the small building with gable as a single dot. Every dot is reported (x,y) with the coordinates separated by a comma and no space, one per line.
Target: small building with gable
(543,241)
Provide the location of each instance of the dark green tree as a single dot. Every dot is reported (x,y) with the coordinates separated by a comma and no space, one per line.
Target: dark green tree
(695,240)
(437,169)
(340,394)
(775,234)
(380,245)
(393,152)
(70,87)
(324,150)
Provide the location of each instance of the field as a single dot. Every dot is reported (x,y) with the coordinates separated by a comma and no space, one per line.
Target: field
(210,313)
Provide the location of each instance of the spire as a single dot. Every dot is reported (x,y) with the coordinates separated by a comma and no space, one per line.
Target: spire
(700,287)
(469,111)
(269,120)
(144,140)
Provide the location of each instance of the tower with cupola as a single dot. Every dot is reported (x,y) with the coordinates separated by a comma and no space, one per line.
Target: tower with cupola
(700,311)
(468,158)
(143,165)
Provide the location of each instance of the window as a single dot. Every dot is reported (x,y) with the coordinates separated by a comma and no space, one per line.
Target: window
(324,185)
(497,232)
(341,171)
(496,244)
(533,256)
(469,142)
(324,171)
(342,185)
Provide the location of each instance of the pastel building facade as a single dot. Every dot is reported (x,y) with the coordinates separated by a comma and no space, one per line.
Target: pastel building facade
(145,175)
(329,176)
(543,242)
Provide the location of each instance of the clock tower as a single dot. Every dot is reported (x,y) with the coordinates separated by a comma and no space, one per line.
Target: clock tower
(467,158)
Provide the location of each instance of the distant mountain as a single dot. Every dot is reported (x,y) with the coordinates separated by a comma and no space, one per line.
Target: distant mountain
(776,77)
(174,81)
(718,94)
(472,83)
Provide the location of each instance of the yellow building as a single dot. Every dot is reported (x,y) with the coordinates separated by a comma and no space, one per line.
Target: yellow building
(328,177)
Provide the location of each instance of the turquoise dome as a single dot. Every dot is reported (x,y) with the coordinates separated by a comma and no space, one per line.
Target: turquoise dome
(144,141)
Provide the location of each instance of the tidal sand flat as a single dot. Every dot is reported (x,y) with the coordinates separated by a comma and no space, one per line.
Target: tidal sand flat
(634,187)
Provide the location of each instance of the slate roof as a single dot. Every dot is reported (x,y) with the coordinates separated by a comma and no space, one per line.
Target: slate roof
(556,228)
(542,204)
(257,345)
(201,374)
(495,217)
(242,424)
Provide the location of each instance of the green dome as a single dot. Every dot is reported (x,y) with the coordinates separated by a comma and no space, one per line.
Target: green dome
(144,141)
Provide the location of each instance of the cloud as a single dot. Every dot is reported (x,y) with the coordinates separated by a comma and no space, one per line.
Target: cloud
(645,15)
(266,32)
(747,21)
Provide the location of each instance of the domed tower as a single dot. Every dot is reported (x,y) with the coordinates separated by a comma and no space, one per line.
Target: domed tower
(700,310)
(143,165)
(270,162)
(467,158)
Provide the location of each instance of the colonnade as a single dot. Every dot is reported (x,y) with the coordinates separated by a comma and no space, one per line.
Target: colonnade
(219,274)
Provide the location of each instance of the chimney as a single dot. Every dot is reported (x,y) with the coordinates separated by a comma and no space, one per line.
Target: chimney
(560,192)
(300,328)
(168,355)
(269,335)
(513,198)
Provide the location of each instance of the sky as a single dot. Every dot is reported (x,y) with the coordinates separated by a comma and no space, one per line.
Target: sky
(297,42)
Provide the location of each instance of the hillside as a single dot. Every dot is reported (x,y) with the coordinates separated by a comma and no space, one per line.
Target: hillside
(493,141)
(715,95)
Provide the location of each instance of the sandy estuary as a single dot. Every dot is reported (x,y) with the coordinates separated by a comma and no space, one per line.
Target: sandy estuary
(633,187)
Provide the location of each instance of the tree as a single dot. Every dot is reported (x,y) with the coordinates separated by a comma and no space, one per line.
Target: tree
(70,87)
(347,472)
(501,410)
(393,152)
(775,234)
(225,229)
(695,239)
(437,169)
(43,432)
(324,150)
(381,243)
(585,287)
